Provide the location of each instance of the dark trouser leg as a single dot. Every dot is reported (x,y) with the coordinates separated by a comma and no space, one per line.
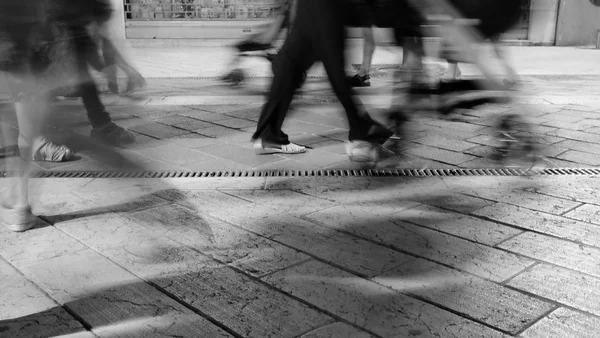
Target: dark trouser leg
(291,62)
(328,40)
(96,111)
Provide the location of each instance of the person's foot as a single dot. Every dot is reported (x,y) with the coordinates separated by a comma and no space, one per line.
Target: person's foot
(262,148)
(252,46)
(452,73)
(362,151)
(47,151)
(113,134)
(134,83)
(113,87)
(271,56)
(18,218)
(360,81)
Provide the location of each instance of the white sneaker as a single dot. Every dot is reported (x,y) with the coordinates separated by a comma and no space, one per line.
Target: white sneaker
(17,219)
(362,151)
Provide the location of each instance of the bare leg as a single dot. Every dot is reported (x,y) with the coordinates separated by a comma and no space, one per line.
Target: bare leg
(453,72)
(362,78)
(114,57)
(368,51)
(16,212)
(512,76)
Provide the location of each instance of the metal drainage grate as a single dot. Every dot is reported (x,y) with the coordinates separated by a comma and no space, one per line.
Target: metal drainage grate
(316,173)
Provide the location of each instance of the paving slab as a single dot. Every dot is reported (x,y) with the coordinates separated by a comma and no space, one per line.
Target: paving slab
(21,298)
(337,329)
(251,253)
(557,226)
(564,323)
(549,282)
(390,230)
(244,305)
(459,225)
(556,251)
(111,300)
(528,199)
(35,246)
(54,322)
(584,189)
(587,213)
(381,310)
(306,256)
(485,301)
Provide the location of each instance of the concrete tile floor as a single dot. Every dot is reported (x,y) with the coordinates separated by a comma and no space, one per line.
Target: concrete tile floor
(311,257)
(186,136)
(306,257)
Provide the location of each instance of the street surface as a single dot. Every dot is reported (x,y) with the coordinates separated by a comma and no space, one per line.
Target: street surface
(312,256)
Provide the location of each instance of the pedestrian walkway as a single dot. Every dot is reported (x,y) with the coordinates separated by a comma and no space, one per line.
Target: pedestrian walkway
(311,256)
(188,121)
(306,257)
(184,132)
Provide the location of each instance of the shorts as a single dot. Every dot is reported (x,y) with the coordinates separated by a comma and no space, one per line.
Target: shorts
(361,14)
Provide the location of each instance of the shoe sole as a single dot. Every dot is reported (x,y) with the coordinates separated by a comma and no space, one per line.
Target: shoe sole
(271,151)
(20,226)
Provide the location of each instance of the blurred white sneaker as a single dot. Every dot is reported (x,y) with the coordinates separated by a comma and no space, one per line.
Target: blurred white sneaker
(17,218)
(362,151)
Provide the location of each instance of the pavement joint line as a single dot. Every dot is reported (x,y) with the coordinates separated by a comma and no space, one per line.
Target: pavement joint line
(76,317)
(258,279)
(497,245)
(446,308)
(537,232)
(562,214)
(509,279)
(553,302)
(408,253)
(536,262)
(539,261)
(542,316)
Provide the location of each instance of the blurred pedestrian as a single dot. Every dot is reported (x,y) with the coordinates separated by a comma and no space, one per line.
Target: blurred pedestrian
(24,33)
(318,35)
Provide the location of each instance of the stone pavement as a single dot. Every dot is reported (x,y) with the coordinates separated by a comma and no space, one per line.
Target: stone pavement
(192,130)
(306,257)
(189,121)
(311,256)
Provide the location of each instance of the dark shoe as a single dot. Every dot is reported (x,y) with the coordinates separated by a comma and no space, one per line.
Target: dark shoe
(251,46)
(113,134)
(235,77)
(271,57)
(360,81)
(113,87)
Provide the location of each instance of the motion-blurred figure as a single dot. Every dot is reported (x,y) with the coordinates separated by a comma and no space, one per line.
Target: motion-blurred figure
(23,31)
(318,35)
(262,41)
(39,45)
(113,59)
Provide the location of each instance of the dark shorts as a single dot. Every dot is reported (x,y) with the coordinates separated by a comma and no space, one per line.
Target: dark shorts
(361,14)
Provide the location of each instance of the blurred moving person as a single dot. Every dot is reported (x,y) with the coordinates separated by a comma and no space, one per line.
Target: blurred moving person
(318,35)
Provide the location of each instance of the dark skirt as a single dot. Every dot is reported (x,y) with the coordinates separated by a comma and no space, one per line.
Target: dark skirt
(37,38)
